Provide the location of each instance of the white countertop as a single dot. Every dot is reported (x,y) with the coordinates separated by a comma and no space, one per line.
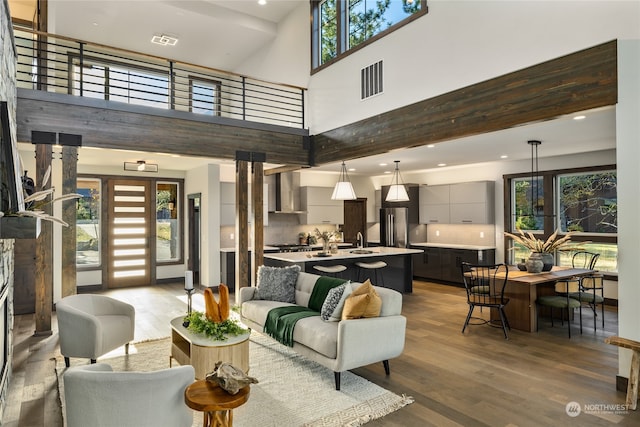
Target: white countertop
(299,257)
(453,246)
(274,248)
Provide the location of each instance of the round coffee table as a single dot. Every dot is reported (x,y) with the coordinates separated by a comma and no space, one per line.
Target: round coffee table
(216,403)
(202,352)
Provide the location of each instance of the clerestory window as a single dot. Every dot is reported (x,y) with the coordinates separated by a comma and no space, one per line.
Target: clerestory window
(339,26)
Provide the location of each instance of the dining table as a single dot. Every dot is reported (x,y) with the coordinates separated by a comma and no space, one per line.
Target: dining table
(523,288)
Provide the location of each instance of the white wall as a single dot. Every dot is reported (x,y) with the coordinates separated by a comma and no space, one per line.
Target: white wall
(459,43)
(628,156)
(206,181)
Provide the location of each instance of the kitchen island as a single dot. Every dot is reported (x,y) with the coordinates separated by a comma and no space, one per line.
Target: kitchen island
(397,275)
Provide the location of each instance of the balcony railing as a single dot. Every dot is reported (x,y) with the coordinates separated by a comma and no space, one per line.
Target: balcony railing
(63,65)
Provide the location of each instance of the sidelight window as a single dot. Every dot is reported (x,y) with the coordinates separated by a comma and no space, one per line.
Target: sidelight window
(167,222)
(88,222)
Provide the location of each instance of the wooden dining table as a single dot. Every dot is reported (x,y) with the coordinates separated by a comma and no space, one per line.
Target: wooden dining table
(524,288)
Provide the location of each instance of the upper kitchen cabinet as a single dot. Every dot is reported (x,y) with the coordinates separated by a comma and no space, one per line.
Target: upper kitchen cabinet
(228,204)
(472,202)
(318,206)
(434,204)
(462,203)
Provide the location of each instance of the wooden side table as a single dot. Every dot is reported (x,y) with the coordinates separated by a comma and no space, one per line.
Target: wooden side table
(202,352)
(634,371)
(216,403)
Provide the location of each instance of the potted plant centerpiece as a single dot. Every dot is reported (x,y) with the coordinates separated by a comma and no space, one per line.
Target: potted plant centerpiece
(325,236)
(215,322)
(541,257)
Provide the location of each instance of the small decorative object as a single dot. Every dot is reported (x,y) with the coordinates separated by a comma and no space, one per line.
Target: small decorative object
(217,312)
(188,288)
(547,259)
(522,266)
(229,378)
(334,248)
(534,263)
(325,236)
(303,238)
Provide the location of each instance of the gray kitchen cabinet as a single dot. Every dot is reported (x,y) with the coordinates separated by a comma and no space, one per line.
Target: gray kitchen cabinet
(472,202)
(443,264)
(228,204)
(462,203)
(318,206)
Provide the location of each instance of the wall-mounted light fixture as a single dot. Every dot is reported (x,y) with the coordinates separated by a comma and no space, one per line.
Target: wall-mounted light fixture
(397,191)
(343,189)
(140,166)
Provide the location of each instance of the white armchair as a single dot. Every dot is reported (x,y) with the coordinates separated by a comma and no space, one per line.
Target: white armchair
(92,325)
(98,397)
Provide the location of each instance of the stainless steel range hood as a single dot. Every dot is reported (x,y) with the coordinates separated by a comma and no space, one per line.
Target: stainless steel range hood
(284,193)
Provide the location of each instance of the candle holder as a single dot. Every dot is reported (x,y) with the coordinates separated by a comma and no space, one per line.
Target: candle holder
(189,294)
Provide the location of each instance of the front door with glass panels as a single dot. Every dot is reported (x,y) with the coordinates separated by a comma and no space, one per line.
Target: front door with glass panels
(129,231)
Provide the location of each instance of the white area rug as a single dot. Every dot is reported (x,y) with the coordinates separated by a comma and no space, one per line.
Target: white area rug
(292,391)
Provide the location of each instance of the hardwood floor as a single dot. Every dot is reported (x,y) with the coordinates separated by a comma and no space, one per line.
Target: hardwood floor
(475,379)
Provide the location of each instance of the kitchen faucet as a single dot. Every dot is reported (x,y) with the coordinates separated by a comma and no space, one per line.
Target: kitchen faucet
(360,240)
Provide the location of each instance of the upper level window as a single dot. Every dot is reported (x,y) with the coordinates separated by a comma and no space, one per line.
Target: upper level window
(205,96)
(341,25)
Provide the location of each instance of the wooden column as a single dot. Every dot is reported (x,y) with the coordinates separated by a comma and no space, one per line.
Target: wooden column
(69,186)
(242,226)
(258,219)
(44,250)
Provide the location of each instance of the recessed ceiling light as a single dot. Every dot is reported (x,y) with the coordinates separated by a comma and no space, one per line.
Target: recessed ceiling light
(579,117)
(351,169)
(504,156)
(262,2)
(164,40)
(383,164)
(442,164)
(430,145)
(387,171)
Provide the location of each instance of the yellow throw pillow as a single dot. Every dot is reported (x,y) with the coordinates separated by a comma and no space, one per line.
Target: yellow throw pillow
(363,302)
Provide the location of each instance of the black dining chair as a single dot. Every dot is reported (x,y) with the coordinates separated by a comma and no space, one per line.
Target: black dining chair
(591,286)
(485,286)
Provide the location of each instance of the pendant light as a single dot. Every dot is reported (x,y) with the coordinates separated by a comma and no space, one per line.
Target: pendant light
(343,189)
(397,191)
(534,176)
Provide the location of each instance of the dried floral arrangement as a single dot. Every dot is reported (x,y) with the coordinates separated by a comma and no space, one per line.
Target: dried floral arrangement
(552,244)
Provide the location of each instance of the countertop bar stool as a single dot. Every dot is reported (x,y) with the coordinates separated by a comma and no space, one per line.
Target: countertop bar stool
(332,270)
(368,268)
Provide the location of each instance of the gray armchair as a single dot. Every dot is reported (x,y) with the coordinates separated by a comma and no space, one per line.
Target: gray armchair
(98,397)
(92,325)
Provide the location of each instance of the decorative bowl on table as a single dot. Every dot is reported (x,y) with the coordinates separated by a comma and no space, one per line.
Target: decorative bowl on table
(521,266)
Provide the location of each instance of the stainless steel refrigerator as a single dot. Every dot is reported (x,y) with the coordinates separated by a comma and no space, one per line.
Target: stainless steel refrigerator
(394,227)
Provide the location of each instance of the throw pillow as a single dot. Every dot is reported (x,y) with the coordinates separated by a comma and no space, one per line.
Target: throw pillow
(363,302)
(331,301)
(336,316)
(277,283)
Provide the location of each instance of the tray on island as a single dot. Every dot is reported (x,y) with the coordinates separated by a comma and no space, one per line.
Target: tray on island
(321,255)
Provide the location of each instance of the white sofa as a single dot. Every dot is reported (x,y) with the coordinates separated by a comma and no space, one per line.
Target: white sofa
(342,345)
(98,397)
(92,325)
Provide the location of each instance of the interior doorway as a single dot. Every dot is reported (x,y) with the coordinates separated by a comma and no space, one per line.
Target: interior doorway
(193,238)
(355,220)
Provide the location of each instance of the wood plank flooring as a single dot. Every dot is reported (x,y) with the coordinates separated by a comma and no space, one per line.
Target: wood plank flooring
(475,379)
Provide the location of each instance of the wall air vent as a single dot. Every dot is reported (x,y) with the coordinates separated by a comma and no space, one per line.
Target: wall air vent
(371,80)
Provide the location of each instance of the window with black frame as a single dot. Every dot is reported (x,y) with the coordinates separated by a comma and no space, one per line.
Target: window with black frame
(341,25)
(583,201)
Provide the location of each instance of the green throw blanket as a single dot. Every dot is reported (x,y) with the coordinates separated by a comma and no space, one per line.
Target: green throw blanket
(282,320)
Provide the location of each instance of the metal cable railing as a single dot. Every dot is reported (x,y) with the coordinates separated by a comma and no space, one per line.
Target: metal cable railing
(63,65)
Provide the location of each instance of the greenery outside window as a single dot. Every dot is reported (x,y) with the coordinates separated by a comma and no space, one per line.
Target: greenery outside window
(339,26)
(167,222)
(583,200)
(88,222)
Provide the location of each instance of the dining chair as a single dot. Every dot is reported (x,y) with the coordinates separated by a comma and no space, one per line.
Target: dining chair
(485,288)
(591,289)
(561,300)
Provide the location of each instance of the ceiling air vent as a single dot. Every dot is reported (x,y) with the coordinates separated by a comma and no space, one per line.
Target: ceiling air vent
(371,80)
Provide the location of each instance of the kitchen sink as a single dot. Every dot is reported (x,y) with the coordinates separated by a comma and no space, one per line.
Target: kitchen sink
(361,251)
